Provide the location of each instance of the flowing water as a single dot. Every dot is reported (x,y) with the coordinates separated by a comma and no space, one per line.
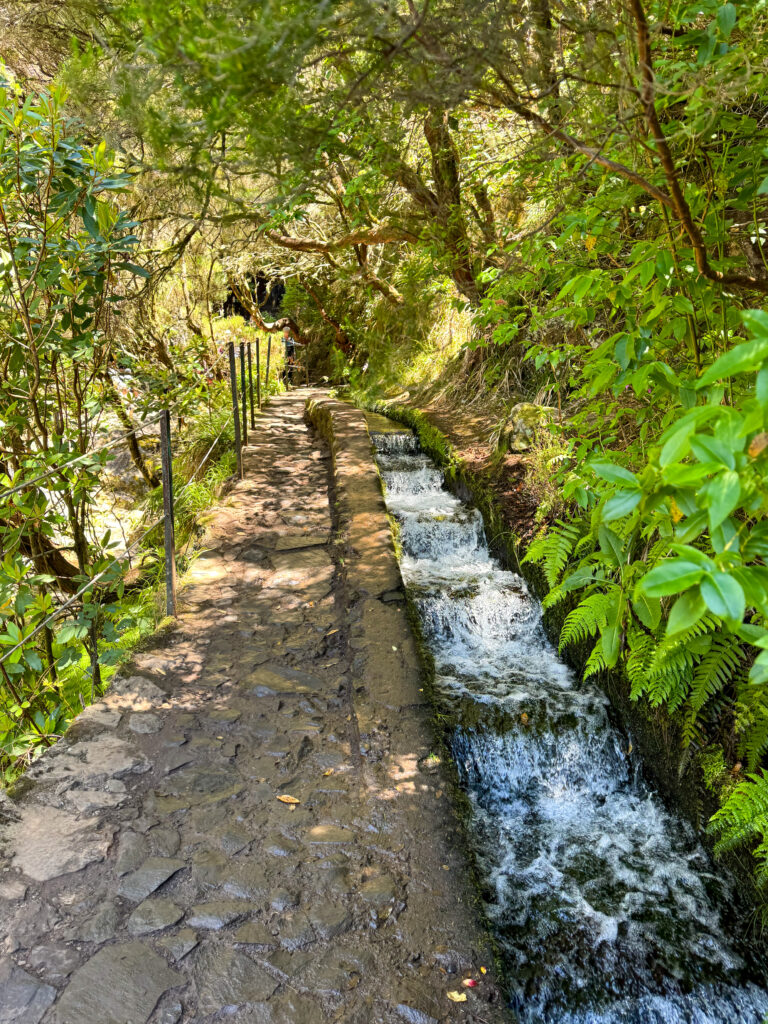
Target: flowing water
(605,907)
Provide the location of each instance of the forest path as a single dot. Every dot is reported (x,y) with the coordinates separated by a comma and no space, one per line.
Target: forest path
(150,872)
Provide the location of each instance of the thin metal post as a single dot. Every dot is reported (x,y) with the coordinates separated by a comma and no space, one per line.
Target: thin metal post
(169,530)
(235,408)
(258,371)
(250,387)
(244,392)
(266,375)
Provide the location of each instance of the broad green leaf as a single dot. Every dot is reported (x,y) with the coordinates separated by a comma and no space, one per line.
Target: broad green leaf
(671,577)
(686,611)
(724,492)
(614,474)
(621,504)
(724,596)
(726,19)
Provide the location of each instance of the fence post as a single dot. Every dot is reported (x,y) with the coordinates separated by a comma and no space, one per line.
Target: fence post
(235,408)
(244,392)
(266,375)
(169,531)
(258,371)
(250,386)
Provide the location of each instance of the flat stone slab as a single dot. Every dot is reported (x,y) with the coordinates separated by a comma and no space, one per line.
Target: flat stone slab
(178,945)
(293,542)
(150,876)
(272,679)
(145,722)
(119,985)
(48,842)
(226,979)
(153,916)
(217,913)
(330,834)
(23,999)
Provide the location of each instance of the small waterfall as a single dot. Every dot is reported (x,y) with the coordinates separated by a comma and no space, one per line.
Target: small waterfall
(604,905)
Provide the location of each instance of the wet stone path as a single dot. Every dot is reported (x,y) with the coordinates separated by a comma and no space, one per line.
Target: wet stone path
(149,869)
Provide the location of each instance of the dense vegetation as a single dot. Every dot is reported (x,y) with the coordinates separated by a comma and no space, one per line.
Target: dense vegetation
(554,201)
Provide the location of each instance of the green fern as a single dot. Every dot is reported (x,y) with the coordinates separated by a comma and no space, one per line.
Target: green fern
(595,661)
(641,648)
(586,620)
(743,820)
(554,549)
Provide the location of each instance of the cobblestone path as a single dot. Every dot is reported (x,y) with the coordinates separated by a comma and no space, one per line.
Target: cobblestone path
(242,830)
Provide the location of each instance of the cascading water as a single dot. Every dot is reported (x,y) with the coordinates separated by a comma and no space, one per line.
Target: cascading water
(604,904)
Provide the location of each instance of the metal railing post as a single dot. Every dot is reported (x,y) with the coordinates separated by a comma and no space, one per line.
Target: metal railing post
(250,387)
(235,408)
(258,371)
(169,531)
(266,375)
(244,392)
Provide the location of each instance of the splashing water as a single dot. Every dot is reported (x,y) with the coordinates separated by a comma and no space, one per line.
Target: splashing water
(604,904)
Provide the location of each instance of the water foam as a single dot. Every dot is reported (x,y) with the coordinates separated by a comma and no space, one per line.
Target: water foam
(604,905)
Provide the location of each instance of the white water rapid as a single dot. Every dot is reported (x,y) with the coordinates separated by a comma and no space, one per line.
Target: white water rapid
(604,905)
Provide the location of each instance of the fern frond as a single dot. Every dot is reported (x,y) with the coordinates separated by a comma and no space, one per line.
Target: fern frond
(744,818)
(595,661)
(720,665)
(554,549)
(587,619)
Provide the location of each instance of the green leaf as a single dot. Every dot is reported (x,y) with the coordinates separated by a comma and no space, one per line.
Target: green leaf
(671,577)
(726,19)
(724,596)
(748,356)
(621,504)
(614,474)
(724,492)
(648,610)
(686,611)
(707,449)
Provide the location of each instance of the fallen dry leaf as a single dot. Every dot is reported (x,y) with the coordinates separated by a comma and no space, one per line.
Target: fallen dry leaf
(328,771)
(524,718)
(285,799)
(457,997)
(757,445)
(469,983)
(483,970)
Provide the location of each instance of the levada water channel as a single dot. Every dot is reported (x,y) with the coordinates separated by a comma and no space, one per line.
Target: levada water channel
(605,907)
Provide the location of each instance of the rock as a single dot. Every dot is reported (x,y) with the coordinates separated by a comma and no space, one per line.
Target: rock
(206,784)
(165,840)
(254,933)
(178,945)
(330,920)
(413,1016)
(234,840)
(145,723)
(217,913)
(283,899)
(108,755)
(121,984)
(48,842)
(136,690)
(153,916)
(132,851)
(378,890)
(90,801)
(295,931)
(12,888)
(102,924)
(170,1014)
(56,963)
(99,714)
(524,421)
(330,834)
(226,978)
(292,542)
(272,679)
(23,999)
(150,876)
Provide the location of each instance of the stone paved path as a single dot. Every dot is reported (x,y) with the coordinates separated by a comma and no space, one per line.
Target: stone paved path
(149,870)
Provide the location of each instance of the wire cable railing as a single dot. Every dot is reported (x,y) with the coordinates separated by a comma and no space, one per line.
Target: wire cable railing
(237,416)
